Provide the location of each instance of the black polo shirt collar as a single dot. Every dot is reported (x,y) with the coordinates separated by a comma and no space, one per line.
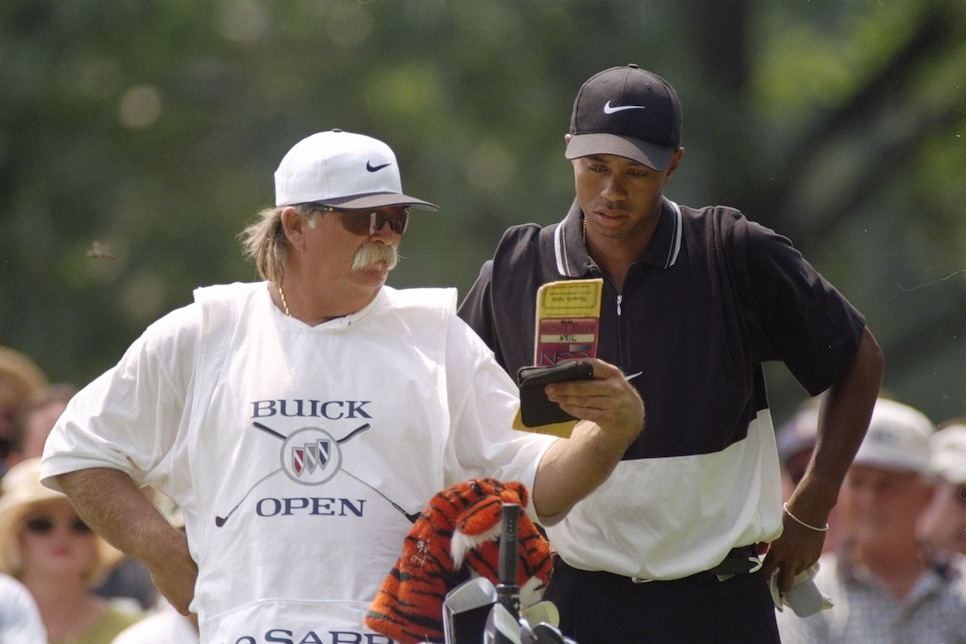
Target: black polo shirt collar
(571,254)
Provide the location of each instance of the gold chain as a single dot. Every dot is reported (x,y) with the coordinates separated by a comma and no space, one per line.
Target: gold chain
(284,303)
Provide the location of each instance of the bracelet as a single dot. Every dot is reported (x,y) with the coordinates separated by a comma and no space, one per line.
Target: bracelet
(802,523)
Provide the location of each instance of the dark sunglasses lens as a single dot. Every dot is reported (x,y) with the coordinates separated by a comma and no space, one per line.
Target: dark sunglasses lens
(400,221)
(397,220)
(40,526)
(45,525)
(361,223)
(356,223)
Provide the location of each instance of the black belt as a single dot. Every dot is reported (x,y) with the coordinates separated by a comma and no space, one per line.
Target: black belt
(738,561)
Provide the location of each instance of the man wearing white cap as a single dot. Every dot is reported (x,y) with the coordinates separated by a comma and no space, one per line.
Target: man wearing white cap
(886,585)
(943,523)
(302,422)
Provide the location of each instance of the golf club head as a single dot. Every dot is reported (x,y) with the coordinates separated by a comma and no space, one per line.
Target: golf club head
(544,633)
(542,611)
(466,609)
(501,627)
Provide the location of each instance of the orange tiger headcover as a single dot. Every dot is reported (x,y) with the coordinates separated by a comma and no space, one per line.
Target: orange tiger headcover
(457,536)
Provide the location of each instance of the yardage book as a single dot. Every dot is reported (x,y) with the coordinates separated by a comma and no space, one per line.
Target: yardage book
(567,326)
(567,321)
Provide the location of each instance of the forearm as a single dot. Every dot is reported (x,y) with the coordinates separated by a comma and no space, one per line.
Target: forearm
(573,468)
(843,421)
(110,502)
(612,416)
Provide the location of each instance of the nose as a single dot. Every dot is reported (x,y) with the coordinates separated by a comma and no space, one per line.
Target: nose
(383,232)
(614,188)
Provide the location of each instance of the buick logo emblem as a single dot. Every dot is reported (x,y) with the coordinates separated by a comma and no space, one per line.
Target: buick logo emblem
(311,456)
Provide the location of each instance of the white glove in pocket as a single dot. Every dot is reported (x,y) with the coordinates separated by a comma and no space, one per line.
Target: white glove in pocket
(804,598)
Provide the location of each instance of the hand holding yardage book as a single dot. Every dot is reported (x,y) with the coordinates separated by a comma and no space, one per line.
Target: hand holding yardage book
(567,324)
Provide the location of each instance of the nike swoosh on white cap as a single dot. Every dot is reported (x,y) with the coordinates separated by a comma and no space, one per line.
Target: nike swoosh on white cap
(611,110)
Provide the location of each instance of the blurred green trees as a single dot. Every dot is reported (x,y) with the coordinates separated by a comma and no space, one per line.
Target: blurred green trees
(137,137)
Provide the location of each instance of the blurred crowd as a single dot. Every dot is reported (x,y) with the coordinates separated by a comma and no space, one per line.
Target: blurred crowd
(893,564)
(59,581)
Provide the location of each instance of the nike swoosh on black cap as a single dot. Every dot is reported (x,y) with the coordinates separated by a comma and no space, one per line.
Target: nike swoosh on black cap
(629,112)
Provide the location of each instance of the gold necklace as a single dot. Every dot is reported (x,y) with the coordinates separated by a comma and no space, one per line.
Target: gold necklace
(284,303)
(583,231)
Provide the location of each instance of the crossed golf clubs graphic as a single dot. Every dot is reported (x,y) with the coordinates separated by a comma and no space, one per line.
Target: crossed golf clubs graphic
(220,521)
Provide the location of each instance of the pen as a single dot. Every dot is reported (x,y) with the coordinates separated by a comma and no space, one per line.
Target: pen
(633,375)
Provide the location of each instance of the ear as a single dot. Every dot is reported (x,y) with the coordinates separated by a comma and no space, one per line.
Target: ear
(673,166)
(294,225)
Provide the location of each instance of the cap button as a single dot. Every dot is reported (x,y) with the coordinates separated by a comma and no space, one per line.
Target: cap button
(633,66)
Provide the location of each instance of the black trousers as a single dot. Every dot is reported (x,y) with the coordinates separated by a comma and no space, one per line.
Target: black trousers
(602,608)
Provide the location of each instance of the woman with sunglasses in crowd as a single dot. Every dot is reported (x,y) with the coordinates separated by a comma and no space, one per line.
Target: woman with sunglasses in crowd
(45,545)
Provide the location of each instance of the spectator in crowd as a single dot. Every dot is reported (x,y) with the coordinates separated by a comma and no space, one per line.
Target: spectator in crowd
(885,585)
(20,621)
(943,523)
(46,546)
(796,443)
(128,577)
(20,378)
(36,418)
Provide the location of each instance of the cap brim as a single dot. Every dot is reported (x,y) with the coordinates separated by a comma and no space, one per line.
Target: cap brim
(892,459)
(653,156)
(379,200)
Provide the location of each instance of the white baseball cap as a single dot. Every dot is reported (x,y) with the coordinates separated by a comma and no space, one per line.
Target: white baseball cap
(949,453)
(342,169)
(898,438)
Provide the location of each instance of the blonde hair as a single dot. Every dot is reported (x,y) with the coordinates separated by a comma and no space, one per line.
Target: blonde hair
(265,243)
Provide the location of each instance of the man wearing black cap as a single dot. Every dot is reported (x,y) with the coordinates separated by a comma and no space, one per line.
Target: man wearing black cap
(694,300)
(302,422)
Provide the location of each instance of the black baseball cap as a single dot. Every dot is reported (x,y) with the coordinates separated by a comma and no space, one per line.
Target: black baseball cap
(629,112)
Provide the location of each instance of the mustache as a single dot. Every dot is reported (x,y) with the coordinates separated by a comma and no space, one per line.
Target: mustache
(371,253)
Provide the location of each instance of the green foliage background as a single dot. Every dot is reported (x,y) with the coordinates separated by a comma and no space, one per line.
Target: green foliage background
(137,137)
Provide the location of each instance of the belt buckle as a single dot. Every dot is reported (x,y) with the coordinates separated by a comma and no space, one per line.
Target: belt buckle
(739,561)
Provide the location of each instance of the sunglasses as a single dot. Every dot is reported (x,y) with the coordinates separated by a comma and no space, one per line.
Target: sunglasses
(366,222)
(45,526)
